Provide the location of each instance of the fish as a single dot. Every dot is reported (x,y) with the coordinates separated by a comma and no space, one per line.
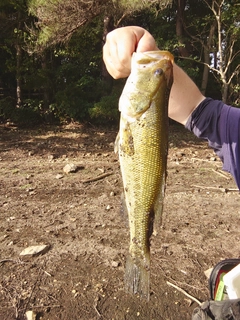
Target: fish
(142,147)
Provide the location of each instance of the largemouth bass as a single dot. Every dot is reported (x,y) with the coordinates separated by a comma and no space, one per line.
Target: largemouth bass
(142,144)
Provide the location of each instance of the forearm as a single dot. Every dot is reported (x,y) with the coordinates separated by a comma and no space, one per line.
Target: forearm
(184,96)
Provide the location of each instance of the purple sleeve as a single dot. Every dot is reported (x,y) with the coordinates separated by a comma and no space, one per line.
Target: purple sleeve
(219,123)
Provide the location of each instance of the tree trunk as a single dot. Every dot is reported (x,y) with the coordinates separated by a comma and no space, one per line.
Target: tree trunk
(207,50)
(46,89)
(205,72)
(18,75)
(108,26)
(224,92)
(18,63)
(180,28)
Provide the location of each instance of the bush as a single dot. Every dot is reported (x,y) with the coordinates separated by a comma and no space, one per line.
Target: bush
(26,115)
(106,110)
(72,104)
(7,108)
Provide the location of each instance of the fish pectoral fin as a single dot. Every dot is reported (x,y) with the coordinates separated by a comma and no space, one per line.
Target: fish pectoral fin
(126,142)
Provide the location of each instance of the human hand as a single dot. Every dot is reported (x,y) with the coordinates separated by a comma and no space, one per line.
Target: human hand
(120,45)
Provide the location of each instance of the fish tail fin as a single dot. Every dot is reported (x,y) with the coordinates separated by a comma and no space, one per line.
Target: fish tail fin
(137,276)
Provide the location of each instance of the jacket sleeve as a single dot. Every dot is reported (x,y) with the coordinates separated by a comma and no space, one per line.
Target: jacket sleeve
(219,124)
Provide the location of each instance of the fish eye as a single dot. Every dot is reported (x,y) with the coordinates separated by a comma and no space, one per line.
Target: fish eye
(158,72)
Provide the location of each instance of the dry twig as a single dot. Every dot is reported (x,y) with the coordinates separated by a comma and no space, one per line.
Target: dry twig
(97,178)
(215,188)
(184,292)
(220,174)
(6,260)
(95,306)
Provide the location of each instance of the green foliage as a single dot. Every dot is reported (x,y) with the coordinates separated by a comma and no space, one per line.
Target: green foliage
(72,103)
(106,110)
(58,20)
(235,95)
(137,5)
(66,79)
(7,108)
(78,83)
(26,115)
(86,101)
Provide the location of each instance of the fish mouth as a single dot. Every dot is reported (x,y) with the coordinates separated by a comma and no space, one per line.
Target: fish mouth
(150,57)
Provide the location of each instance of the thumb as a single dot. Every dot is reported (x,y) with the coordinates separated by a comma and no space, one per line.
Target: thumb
(146,43)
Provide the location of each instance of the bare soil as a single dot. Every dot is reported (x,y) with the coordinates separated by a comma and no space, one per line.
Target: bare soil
(81,275)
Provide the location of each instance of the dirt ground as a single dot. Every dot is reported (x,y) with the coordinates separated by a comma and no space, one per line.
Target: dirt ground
(81,275)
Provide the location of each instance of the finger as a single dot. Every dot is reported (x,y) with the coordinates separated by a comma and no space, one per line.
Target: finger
(114,66)
(117,53)
(124,51)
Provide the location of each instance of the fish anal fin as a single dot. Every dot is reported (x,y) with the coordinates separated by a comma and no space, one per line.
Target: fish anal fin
(124,211)
(158,206)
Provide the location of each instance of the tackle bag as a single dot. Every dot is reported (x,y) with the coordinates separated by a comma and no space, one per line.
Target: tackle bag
(219,306)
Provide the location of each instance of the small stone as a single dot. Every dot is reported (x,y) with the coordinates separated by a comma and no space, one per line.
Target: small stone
(115,264)
(11,218)
(180,154)
(208,272)
(108,207)
(51,157)
(59,176)
(70,167)
(30,315)
(112,193)
(35,250)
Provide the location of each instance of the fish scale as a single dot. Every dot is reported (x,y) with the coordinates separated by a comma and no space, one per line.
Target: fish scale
(142,144)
